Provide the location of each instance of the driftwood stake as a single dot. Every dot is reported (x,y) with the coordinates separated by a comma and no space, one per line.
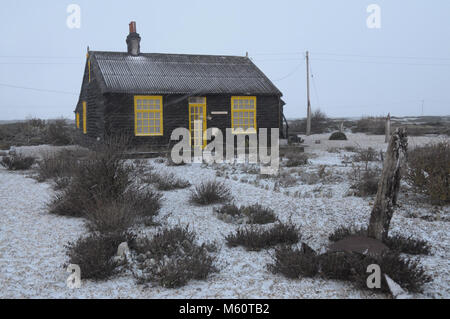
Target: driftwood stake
(388,186)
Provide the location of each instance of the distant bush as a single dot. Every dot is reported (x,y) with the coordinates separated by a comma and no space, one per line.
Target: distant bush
(210,192)
(171,258)
(370,125)
(253,214)
(428,171)
(36,132)
(320,123)
(17,162)
(253,238)
(338,136)
(59,164)
(94,253)
(58,133)
(398,243)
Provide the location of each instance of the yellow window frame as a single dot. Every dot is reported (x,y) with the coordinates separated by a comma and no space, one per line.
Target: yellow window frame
(77,117)
(140,111)
(243,104)
(84,117)
(197,102)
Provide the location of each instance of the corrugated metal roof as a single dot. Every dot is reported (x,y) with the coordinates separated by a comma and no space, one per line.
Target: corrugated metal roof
(155,73)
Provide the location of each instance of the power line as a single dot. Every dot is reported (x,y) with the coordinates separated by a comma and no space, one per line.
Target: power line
(376,62)
(36,89)
(314,86)
(355,55)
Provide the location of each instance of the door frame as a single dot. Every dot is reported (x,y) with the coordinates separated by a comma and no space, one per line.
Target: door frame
(203,105)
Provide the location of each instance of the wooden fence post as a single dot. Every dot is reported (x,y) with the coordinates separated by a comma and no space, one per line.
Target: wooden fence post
(388,128)
(388,186)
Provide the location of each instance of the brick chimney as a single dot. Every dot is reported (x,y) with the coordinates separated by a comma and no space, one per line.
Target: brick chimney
(133,40)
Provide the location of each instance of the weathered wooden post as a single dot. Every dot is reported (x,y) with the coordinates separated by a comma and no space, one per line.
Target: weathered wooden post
(388,186)
(388,128)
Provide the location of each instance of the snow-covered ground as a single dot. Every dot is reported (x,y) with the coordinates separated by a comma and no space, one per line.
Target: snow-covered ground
(32,252)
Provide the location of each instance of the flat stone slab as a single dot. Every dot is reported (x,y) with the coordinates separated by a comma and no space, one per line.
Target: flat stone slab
(359,244)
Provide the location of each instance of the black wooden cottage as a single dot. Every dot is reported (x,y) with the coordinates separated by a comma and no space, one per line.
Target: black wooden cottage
(148,95)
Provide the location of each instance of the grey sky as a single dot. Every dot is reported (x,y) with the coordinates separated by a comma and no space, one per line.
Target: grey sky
(357,70)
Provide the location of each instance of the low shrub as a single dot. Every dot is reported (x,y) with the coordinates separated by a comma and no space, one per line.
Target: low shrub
(171,258)
(365,155)
(365,181)
(295,159)
(59,164)
(258,214)
(408,245)
(343,232)
(255,239)
(167,181)
(58,133)
(352,267)
(17,162)
(428,171)
(295,263)
(101,177)
(210,192)
(111,216)
(253,214)
(94,254)
(397,243)
(338,136)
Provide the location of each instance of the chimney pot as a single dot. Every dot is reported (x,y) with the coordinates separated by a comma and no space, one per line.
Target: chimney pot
(132,26)
(133,40)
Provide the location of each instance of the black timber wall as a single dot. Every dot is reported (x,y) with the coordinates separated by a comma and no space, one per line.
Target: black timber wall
(95,107)
(119,115)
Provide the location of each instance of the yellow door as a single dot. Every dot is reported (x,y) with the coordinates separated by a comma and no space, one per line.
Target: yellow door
(197,121)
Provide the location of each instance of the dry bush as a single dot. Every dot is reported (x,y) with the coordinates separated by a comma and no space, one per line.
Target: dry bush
(428,171)
(295,159)
(17,162)
(103,177)
(94,254)
(352,267)
(365,181)
(255,239)
(370,125)
(59,133)
(210,192)
(253,214)
(166,181)
(320,123)
(61,164)
(111,216)
(366,155)
(295,263)
(171,258)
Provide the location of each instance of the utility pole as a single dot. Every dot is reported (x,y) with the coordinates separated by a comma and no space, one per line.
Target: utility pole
(308,112)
